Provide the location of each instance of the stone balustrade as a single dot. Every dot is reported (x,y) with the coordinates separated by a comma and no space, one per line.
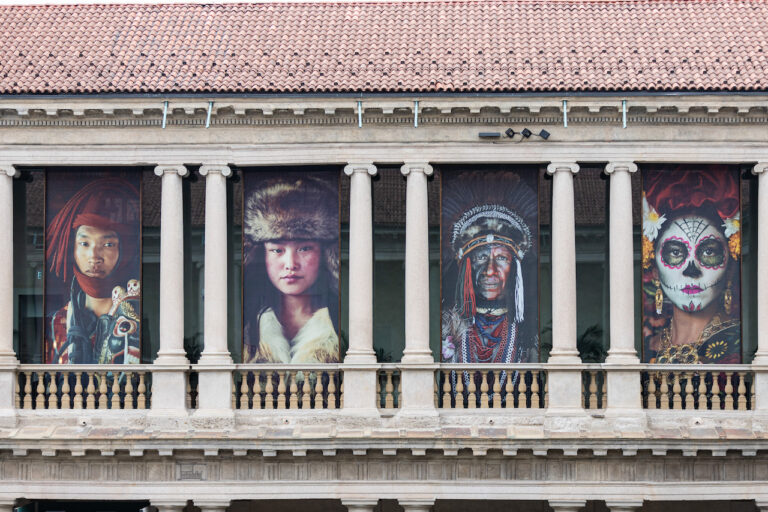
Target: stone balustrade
(677,387)
(513,386)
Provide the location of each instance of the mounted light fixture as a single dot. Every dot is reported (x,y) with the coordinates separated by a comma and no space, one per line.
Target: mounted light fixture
(544,134)
(526,133)
(509,133)
(489,135)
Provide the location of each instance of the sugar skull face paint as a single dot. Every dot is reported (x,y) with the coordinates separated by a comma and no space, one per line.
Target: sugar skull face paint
(692,259)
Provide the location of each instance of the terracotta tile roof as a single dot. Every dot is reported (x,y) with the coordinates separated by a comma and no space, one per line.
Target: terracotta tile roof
(488,45)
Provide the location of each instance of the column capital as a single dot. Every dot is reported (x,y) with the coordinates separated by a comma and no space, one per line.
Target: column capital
(224,169)
(620,166)
(354,167)
(417,504)
(179,169)
(9,170)
(571,167)
(360,505)
(409,167)
(567,505)
(760,167)
(212,505)
(623,505)
(168,506)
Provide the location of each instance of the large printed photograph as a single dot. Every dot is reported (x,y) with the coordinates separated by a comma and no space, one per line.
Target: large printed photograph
(93,267)
(489,273)
(691,264)
(291,267)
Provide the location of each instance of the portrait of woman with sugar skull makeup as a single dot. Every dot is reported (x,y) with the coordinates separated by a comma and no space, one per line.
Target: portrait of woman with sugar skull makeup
(691,265)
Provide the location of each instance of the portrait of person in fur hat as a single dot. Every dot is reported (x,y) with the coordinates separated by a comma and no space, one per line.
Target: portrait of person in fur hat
(291,270)
(490,266)
(92,299)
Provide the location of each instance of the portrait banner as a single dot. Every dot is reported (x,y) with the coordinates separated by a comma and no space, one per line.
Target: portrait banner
(291,228)
(489,265)
(93,267)
(691,245)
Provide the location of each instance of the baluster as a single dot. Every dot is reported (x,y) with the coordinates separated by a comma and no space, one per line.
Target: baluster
(472,388)
(752,392)
(496,389)
(90,396)
(78,390)
(128,390)
(53,393)
(702,401)
(715,392)
(40,399)
(306,389)
(689,391)
(281,390)
(592,401)
(484,390)
(341,392)
(379,398)
(115,390)
(509,387)
(65,398)
(446,388)
(399,386)
(28,390)
(664,390)
(318,397)
(269,389)
(728,392)
(742,392)
(546,391)
(534,389)
(103,390)
(142,398)
(243,389)
(651,391)
(603,390)
(17,390)
(460,390)
(294,390)
(188,396)
(389,391)
(584,390)
(331,390)
(256,402)
(522,391)
(677,399)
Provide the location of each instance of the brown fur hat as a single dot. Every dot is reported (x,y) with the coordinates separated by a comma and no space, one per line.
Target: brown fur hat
(292,208)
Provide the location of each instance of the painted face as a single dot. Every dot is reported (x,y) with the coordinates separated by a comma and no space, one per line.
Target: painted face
(96,251)
(692,258)
(491,266)
(293,266)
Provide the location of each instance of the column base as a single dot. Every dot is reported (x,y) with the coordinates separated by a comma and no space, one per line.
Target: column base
(360,357)
(622,357)
(215,358)
(171,358)
(564,357)
(417,357)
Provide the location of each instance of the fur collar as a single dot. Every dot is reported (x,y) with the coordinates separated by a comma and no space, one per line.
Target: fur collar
(316,341)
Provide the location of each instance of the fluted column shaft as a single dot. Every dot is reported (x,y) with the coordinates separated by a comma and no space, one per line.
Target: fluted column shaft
(7,354)
(563,264)
(215,276)
(622,290)
(360,264)
(171,266)
(416,264)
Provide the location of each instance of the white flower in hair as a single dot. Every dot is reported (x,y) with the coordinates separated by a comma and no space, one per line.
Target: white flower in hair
(732,225)
(652,221)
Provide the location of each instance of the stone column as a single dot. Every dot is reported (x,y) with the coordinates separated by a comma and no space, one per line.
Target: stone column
(215,366)
(8,361)
(7,505)
(564,375)
(623,385)
(168,373)
(417,505)
(624,505)
(762,505)
(567,505)
(760,362)
(360,505)
(418,365)
(164,506)
(212,505)
(360,360)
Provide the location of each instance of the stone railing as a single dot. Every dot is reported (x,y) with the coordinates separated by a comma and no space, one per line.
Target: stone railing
(721,387)
(83,386)
(509,386)
(594,389)
(388,387)
(263,386)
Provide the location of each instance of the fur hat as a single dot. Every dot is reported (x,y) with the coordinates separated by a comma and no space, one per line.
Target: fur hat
(293,208)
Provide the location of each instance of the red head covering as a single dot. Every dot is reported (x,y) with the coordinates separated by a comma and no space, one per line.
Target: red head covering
(103,204)
(684,188)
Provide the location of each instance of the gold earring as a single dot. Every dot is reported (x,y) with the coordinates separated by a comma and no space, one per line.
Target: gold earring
(659,298)
(728,299)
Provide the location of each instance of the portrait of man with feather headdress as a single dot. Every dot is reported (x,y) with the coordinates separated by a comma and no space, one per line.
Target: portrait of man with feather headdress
(490,266)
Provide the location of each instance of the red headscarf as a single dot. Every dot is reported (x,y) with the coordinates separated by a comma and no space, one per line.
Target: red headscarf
(684,188)
(103,204)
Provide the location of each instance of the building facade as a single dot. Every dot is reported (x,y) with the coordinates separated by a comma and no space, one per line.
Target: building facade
(192,105)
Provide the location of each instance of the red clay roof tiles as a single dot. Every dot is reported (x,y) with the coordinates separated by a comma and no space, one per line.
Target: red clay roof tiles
(431,46)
